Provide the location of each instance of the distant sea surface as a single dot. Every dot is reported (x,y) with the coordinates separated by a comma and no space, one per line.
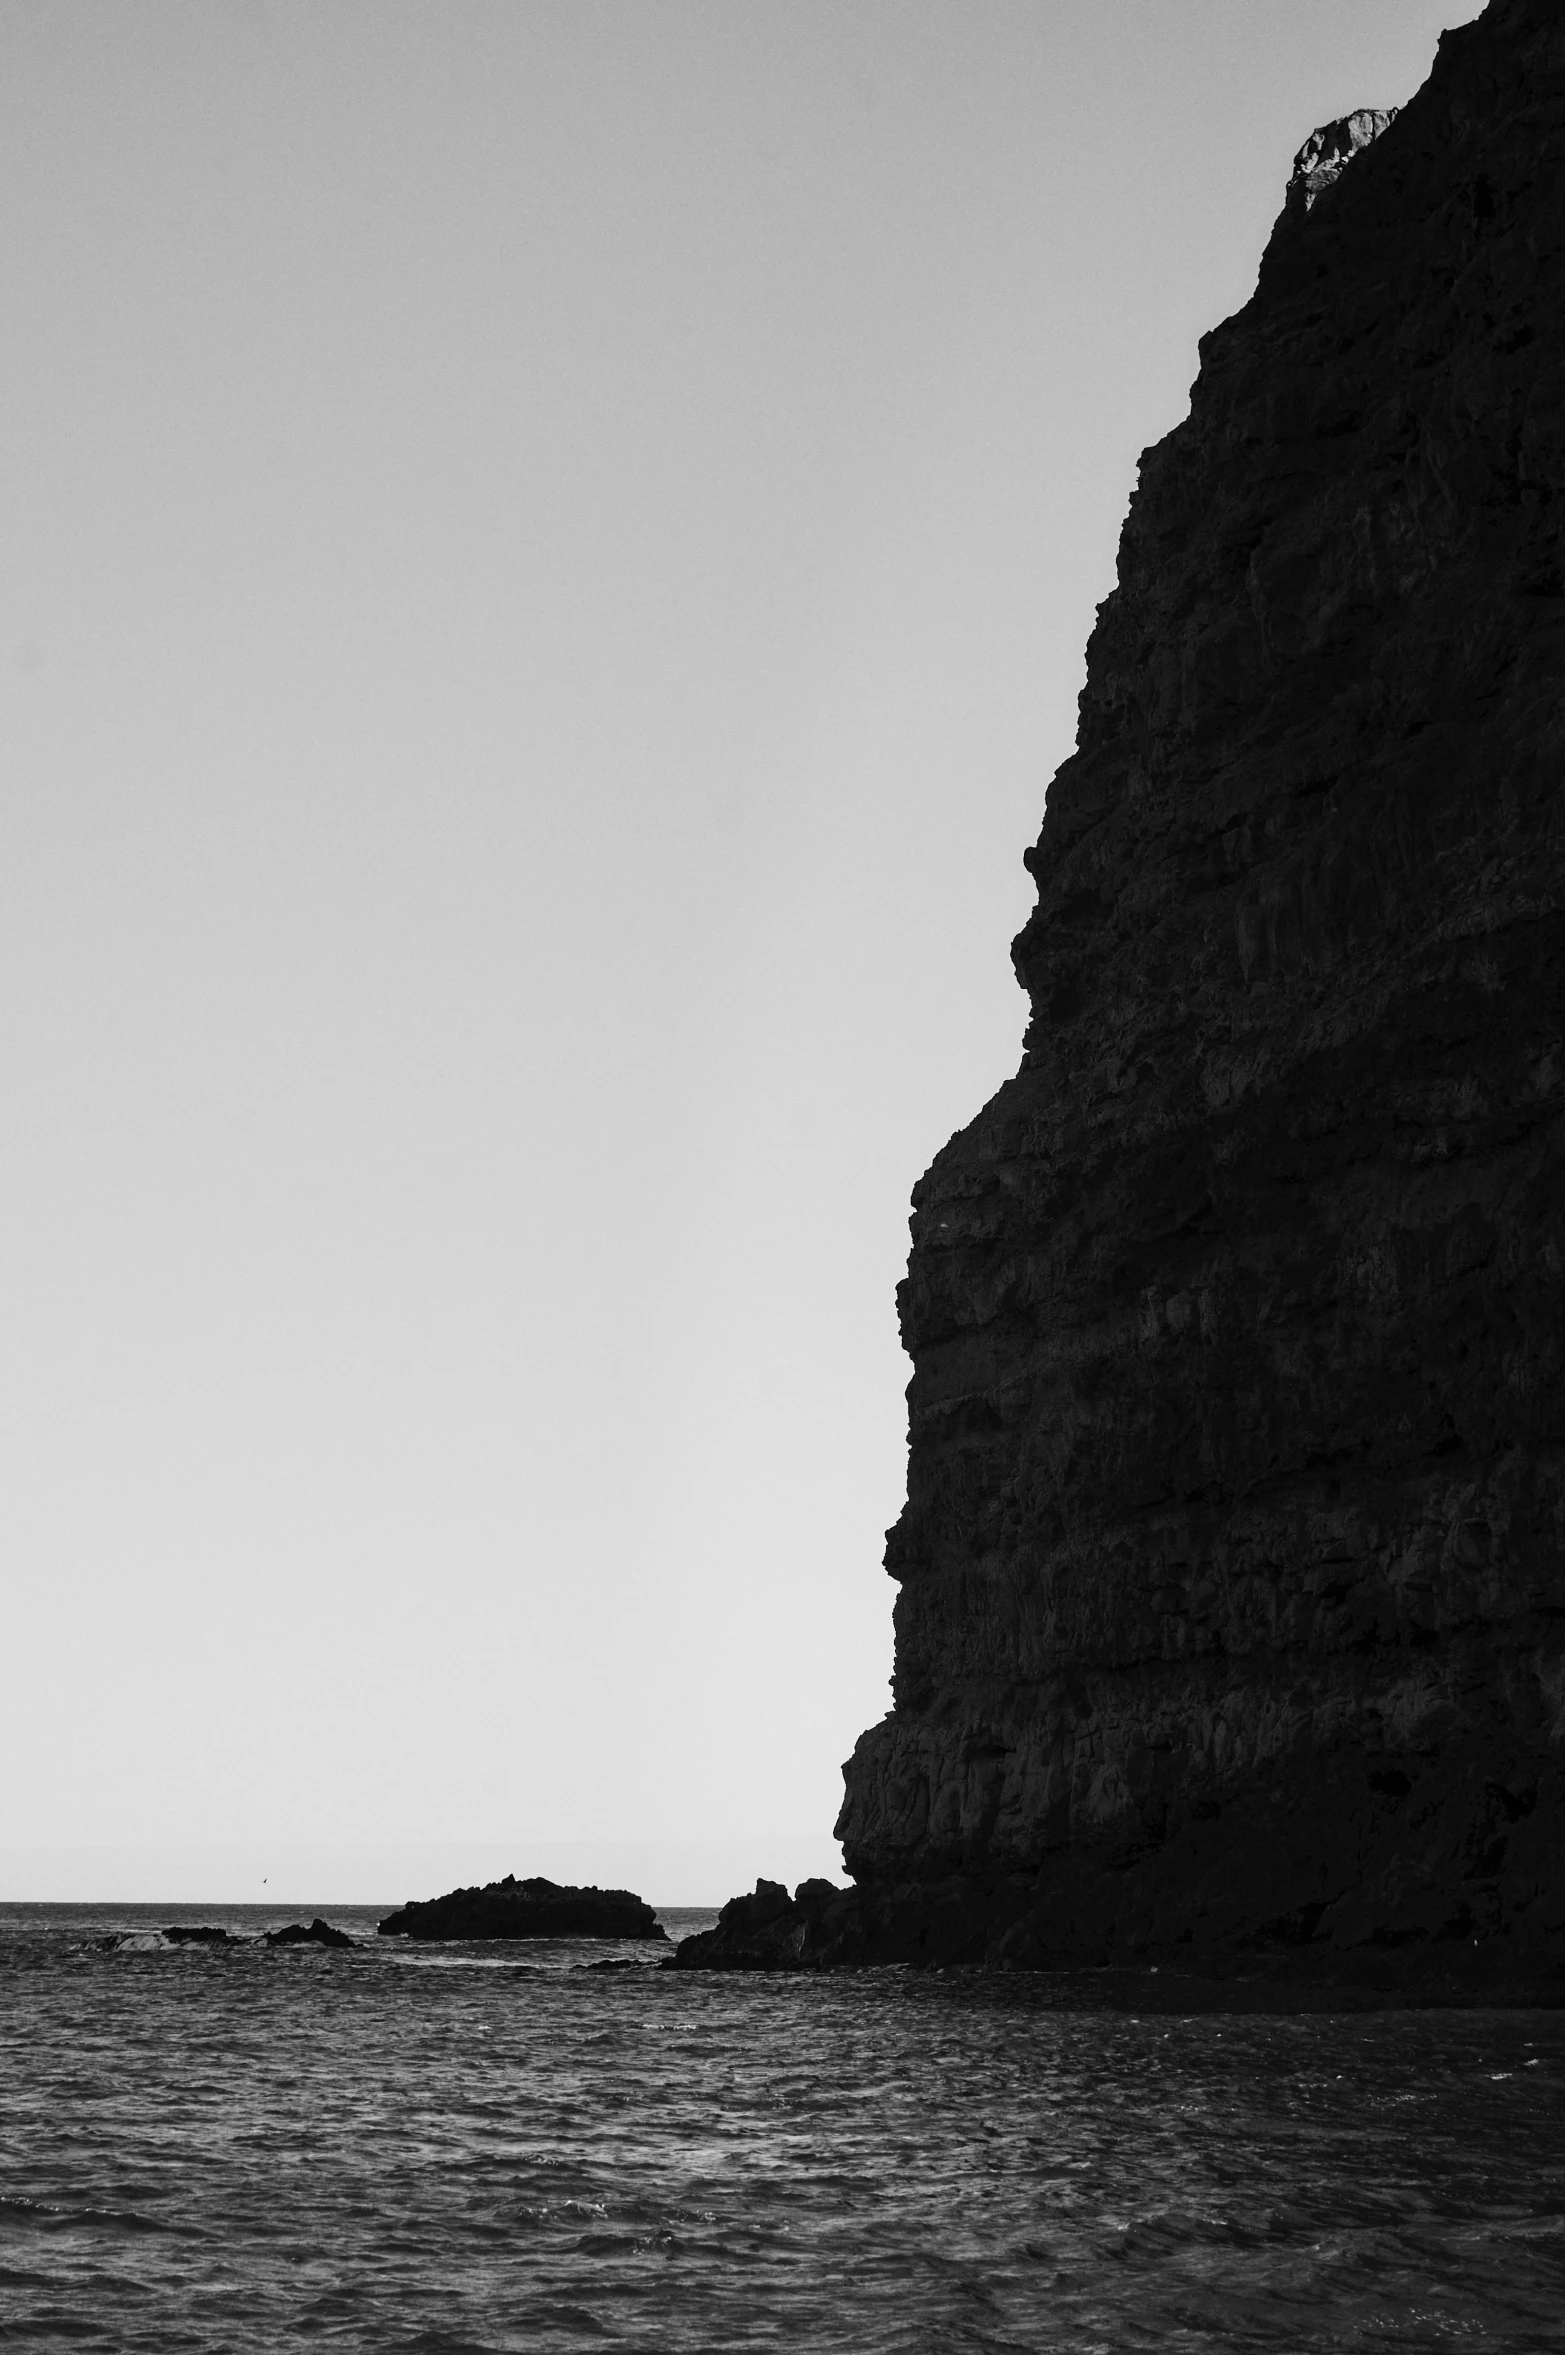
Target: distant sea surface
(437,2150)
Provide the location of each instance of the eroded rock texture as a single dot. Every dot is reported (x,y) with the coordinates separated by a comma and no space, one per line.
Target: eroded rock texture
(1232,1574)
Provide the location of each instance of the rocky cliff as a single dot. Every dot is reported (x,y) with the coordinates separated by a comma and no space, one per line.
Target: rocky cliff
(1231,1612)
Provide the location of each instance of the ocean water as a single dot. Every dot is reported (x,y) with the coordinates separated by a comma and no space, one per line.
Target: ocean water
(464,2148)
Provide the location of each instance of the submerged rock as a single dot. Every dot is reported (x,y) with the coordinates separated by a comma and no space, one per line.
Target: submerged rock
(315,1933)
(526,1909)
(1231,1623)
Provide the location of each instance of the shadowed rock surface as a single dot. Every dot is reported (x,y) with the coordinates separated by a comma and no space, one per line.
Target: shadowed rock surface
(1231,1622)
(770,1931)
(526,1909)
(314,1933)
(196,1934)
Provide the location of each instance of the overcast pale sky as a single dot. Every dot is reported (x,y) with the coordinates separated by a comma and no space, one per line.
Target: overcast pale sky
(547,556)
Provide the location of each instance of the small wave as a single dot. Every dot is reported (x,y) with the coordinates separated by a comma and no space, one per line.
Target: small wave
(12,2278)
(42,2216)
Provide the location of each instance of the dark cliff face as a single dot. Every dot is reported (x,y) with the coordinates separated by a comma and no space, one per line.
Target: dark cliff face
(1232,1573)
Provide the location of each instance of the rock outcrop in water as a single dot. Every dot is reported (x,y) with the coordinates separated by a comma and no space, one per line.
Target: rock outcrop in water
(1231,1622)
(526,1909)
(768,1930)
(313,1933)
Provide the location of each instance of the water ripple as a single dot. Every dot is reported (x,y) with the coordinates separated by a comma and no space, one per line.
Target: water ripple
(244,2148)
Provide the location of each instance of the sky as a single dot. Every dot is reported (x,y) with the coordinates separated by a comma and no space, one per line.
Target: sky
(548,552)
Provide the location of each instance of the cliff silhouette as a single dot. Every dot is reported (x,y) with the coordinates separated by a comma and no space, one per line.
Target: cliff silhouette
(1230,1627)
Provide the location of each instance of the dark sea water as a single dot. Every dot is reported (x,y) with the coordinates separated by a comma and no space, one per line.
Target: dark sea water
(460,2148)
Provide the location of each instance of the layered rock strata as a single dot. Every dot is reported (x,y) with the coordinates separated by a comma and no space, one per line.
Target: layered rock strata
(1231,1612)
(526,1909)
